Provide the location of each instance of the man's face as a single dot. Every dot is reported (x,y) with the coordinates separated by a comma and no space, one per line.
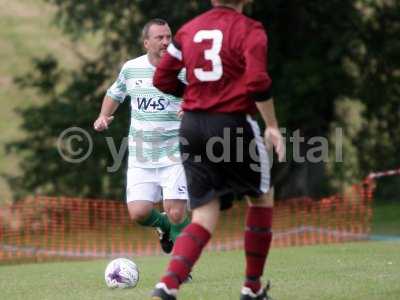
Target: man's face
(158,39)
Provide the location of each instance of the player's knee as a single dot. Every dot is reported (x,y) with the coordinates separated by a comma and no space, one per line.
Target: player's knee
(176,214)
(139,214)
(207,215)
(176,210)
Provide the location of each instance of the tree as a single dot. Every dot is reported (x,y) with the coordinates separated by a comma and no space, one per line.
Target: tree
(320,52)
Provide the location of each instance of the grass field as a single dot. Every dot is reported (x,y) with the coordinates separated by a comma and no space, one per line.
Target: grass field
(386,219)
(365,271)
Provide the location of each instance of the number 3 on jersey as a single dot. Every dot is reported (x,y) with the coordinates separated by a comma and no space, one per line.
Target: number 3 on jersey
(210,54)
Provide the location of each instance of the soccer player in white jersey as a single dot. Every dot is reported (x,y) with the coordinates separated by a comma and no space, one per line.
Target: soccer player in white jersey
(155,171)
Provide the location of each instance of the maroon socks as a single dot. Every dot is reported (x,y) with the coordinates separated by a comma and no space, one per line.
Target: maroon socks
(187,249)
(257,241)
(191,242)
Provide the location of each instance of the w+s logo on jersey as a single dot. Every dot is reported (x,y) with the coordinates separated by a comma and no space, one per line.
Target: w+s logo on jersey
(154,104)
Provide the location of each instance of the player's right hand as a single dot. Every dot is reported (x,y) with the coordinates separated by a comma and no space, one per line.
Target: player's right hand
(273,138)
(102,123)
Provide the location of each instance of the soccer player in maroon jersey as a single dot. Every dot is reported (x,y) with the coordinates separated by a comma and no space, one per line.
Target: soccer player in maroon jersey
(225,56)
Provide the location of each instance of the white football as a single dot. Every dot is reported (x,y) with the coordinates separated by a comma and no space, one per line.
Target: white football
(121,273)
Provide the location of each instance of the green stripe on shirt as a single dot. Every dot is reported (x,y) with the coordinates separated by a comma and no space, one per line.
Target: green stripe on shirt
(154,135)
(154,154)
(156,116)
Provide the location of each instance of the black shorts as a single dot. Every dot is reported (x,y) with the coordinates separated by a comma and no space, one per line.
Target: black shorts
(224,156)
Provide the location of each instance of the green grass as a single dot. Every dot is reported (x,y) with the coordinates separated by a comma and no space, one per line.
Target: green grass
(365,271)
(386,219)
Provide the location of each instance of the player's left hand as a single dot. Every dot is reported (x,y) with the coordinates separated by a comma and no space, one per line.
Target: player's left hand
(273,139)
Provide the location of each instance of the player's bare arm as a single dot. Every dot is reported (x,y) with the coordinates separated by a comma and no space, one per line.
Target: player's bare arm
(272,135)
(105,117)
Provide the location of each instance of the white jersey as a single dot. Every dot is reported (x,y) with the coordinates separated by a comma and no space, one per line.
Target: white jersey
(153,135)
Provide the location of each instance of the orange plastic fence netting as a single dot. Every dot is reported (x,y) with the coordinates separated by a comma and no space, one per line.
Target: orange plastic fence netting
(44,228)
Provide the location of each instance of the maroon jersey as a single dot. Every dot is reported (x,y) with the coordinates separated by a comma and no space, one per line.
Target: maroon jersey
(225,56)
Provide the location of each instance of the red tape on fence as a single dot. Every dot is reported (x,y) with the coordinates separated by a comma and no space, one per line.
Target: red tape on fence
(44,228)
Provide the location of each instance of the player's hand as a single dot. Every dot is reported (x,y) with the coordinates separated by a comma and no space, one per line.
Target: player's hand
(102,123)
(273,138)
(180,113)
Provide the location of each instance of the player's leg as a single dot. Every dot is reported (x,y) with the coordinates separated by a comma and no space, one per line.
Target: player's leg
(257,242)
(173,182)
(144,213)
(205,211)
(258,235)
(176,210)
(140,210)
(142,192)
(188,248)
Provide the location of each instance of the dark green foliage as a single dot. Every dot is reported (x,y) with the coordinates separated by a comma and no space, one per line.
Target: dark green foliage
(320,53)
(75,106)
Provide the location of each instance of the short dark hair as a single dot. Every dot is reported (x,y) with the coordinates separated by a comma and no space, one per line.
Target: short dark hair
(146,27)
(229,1)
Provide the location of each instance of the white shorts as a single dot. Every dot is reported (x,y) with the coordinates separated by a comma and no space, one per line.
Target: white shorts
(156,184)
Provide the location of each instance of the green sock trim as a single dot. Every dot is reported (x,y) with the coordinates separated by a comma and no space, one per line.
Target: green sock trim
(157,219)
(176,229)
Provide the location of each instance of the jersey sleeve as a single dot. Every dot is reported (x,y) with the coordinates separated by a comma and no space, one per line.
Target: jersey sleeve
(117,91)
(166,76)
(182,76)
(258,81)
